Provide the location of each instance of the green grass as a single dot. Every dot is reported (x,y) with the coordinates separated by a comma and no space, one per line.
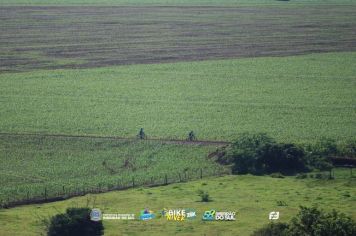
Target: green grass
(253,197)
(171,2)
(293,99)
(31,164)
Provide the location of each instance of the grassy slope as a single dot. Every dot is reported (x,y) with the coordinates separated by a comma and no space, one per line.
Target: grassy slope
(33,163)
(253,197)
(170,2)
(297,99)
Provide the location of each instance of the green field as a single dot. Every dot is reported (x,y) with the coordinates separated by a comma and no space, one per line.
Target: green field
(32,166)
(79,78)
(252,197)
(294,99)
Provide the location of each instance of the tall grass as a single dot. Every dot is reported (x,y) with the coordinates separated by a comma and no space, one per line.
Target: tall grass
(51,166)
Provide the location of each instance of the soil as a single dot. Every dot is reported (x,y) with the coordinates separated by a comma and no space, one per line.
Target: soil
(84,37)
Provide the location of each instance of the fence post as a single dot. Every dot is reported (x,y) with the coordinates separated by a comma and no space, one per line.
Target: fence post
(180,177)
(201,173)
(63,191)
(133,182)
(165,179)
(45,193)
(28,196)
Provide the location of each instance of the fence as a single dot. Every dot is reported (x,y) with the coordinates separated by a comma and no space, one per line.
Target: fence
(64,192)
(338,172)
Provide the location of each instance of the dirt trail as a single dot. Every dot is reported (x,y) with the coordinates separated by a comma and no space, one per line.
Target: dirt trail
(169,141)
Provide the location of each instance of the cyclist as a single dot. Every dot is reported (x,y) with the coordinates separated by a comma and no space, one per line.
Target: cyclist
(141,134)
(191,136)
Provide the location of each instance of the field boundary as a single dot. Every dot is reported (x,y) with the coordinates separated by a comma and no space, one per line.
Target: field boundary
(169,141)
(63,193)
(59,193)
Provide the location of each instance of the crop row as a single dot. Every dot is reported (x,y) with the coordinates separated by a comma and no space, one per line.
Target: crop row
(45,167)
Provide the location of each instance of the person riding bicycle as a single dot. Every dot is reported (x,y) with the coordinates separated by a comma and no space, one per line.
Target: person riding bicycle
(191,136)
(141,134)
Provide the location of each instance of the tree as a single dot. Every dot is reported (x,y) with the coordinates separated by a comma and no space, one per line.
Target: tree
(246,151)
(283,158)
(312,221)
(260,154)
(76,221)
(319,154)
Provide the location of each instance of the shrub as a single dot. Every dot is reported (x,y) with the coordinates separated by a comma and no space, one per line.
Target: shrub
(277,175)
(323,176)
(76,221)
(312,221)
(319,176)
(259,154)
(204,196)
(319,155)
(272,229)
(348,148)
(281,203)
(301,176)
(245,152)
(321,163)
(326,147)
(284,158)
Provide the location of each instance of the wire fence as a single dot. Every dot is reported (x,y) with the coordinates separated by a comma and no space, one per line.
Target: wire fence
(337,172)
(48,194)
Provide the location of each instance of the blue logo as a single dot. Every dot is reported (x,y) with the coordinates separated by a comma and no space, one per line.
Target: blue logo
(209,215)
(146,214)
(95,215)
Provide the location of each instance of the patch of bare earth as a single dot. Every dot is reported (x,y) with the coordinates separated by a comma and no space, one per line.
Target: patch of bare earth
(83,37)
